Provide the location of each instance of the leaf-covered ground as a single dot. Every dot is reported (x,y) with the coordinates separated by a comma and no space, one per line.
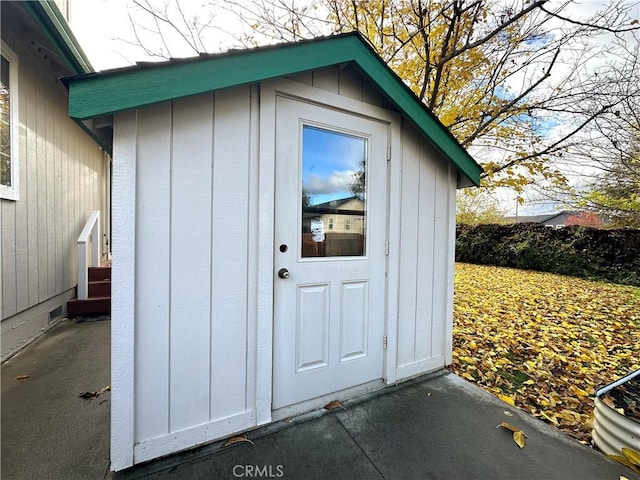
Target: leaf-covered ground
(544,342)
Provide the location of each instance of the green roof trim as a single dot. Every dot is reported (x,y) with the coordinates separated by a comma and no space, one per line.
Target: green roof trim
(131,87)
(56,29)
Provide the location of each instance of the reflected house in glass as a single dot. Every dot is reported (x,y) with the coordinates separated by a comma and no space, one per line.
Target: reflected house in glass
(343,228)
(283,236)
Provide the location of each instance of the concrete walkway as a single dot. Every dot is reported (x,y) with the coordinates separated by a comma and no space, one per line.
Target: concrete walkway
(48,430)
(436,427)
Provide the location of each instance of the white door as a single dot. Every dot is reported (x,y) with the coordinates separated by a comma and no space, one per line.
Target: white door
(329,259)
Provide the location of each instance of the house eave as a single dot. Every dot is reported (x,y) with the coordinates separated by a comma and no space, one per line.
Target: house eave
(52,23)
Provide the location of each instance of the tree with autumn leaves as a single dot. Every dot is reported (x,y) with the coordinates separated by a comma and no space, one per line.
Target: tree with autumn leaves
(512,80)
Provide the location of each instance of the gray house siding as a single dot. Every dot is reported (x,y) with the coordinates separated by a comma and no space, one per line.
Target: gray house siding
(62,178)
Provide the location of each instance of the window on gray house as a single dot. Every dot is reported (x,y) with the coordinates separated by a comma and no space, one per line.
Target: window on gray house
(5,125)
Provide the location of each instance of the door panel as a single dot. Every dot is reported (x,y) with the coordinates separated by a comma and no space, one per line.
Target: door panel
(354,320)
(312,327)
(330,224)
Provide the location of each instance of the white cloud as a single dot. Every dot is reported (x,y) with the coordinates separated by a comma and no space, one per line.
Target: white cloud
(336,183)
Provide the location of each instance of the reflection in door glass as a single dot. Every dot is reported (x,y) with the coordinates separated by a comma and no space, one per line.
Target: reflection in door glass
(333,193)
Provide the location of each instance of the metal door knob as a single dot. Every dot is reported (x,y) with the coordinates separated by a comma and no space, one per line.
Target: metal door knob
(283,273)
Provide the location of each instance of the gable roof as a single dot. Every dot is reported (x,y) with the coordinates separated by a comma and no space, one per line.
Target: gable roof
(108,92)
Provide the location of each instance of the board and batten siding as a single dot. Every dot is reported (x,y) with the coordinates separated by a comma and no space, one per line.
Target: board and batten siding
(426,258)
(193,261)
(62,178)
(195,219)
(343,81)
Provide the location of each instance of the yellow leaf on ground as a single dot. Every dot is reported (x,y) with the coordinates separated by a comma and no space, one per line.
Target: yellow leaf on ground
(551,417)
(506,398)
(632,455)
(579,391)
(624,461)
(518,437)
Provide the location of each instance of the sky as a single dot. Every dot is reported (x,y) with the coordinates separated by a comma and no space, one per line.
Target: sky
(103,29)
(103,26)
(329,163)
(97,24)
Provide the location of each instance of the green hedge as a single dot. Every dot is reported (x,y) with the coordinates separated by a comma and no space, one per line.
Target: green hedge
(610,255)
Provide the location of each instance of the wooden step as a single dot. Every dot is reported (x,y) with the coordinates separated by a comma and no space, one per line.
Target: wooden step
(90,306)
(99,291)
(100,288)
(99,273)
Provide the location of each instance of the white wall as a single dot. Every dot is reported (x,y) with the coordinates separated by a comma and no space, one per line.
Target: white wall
(426,258)
(195,216)
(190,315)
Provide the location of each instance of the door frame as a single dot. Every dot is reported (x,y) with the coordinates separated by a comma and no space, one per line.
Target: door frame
(269,90)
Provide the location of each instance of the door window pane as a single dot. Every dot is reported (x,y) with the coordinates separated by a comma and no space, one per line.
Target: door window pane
(334,203)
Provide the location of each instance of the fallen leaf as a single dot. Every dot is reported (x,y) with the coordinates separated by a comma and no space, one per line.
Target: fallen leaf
(632,455)
(624,461)
(518,437)
(237,439)
(22,377)
(506,398)
(508,426)
(333,405)
(578,391)
(105,389)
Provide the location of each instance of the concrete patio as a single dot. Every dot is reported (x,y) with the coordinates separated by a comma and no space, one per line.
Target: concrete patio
(435,427)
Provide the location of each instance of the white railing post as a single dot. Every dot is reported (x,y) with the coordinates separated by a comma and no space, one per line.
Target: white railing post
(83,271)
(91,230)
(96,243)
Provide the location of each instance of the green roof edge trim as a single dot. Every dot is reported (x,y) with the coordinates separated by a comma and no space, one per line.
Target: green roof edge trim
(131,87)
(425,121)
(57,30)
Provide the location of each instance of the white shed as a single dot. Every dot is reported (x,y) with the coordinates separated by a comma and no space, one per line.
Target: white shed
(234,304)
